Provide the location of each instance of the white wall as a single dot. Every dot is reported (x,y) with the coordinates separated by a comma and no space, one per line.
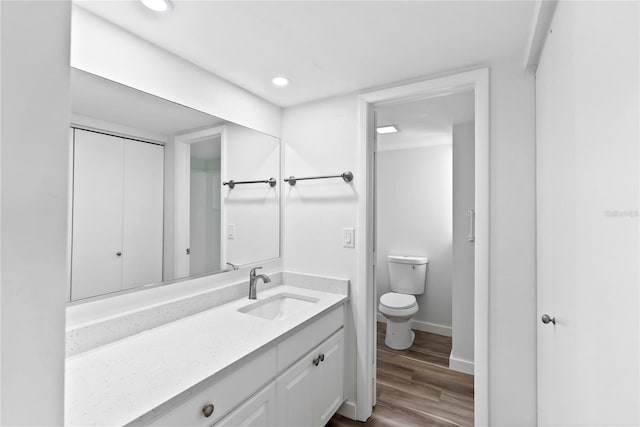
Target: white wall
(34,198)
(413,217)
(102,48)
(462,284)
(321,137)
(512,274)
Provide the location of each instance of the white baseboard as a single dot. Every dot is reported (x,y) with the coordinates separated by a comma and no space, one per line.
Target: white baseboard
(431,327)
(461,365)
(348,409)
(424,326)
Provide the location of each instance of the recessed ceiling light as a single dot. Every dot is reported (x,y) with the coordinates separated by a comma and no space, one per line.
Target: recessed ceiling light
(157,5)
(280,81)
(387,129)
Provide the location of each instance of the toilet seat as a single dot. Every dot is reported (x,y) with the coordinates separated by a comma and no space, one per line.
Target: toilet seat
(398,309)
(396,301)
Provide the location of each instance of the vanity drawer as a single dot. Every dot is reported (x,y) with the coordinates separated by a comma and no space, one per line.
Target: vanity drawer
(224,395)
(303,341)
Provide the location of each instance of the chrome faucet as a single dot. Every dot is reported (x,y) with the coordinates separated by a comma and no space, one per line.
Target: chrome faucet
(253,281)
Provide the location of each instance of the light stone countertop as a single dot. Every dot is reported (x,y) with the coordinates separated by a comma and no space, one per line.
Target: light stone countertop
(138,378)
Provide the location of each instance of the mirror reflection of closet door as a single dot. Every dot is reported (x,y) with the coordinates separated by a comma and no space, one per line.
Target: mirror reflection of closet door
(143,214)
(117,214)
(96,266)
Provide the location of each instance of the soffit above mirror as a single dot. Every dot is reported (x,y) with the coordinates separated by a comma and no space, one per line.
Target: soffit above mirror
(130,107)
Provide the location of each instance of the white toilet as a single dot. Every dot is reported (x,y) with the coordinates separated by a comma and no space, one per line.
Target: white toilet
(407,276)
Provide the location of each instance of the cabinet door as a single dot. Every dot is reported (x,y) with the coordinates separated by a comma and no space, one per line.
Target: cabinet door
(142,214)
(295,389)
(96,267)
(258,411)
(329,381)
(309,394)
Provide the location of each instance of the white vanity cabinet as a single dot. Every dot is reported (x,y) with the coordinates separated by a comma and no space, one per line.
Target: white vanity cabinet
(311,391)
(117,214)
(299,382)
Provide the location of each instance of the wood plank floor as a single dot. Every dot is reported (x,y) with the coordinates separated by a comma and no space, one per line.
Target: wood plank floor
(415,387)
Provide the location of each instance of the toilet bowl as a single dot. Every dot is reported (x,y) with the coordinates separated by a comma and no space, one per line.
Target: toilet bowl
(407,278)
(398,309)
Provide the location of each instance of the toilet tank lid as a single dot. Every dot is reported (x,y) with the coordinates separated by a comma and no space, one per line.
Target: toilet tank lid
(402,259)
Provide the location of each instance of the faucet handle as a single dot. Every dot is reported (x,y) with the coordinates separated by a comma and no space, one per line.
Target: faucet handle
(253,270)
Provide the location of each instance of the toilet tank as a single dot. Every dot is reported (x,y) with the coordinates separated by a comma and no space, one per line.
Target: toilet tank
(407,274)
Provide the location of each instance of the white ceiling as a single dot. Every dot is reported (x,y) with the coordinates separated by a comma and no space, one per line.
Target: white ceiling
(112,102)
(426,122)
(327,48)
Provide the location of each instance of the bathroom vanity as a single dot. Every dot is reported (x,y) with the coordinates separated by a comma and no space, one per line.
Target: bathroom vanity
(277,360)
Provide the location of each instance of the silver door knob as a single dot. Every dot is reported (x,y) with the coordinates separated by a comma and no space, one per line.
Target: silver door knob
(548,319)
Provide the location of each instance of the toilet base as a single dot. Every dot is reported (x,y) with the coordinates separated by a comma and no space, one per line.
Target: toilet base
(399,335)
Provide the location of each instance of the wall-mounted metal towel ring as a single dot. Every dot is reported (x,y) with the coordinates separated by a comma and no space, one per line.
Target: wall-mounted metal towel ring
(347,176)
(231,183)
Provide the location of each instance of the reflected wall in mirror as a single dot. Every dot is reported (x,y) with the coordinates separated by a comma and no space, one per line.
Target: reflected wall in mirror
(151,200)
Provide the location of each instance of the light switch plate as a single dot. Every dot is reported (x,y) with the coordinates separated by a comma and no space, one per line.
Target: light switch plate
(231,231)
(349,238)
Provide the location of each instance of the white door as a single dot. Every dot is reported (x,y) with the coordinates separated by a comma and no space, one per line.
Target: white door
(96,266)
(142,213)
(587,223)
(258,411)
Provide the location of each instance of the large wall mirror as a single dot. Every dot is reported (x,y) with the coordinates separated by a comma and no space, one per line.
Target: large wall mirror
(163,192)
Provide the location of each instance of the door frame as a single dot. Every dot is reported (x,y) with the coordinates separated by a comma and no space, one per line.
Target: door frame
(182,183)
(364,294)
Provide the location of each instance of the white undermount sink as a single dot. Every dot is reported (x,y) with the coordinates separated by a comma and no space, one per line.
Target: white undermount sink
(278,306)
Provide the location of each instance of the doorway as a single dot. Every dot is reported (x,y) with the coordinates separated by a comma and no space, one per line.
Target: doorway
(205,219)
(366,303)
(195,168)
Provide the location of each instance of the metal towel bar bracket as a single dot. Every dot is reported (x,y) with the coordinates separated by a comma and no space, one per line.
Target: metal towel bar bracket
(232,183)
(347,176)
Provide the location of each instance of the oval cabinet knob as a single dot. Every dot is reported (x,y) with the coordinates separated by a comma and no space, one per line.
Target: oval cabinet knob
(316,361)
(546,319)
(207,411)
(118,253)
(321,357)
